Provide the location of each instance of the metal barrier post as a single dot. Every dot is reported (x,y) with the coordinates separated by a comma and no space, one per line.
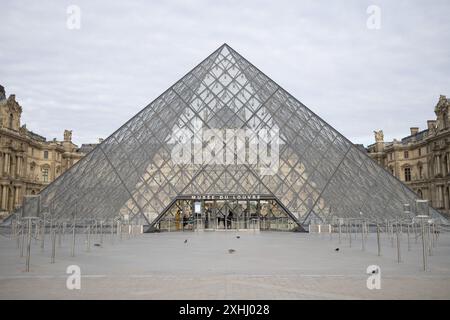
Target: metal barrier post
(53,237)
(72,251)
(43,233)
(101,232)
(363,245)
(378,240)
(398,244)
(27,267)
(22,236)
(339,233)
(424,254)
(409,241)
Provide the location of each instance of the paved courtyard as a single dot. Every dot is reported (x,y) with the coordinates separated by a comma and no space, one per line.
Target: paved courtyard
(266,265)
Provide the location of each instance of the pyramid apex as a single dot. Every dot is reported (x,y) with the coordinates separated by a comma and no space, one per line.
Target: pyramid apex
(225,45)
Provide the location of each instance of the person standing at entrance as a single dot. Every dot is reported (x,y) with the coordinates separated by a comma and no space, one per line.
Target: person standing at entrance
(177,220)
(221,219)
(229,219)
(185,220)
(207,217)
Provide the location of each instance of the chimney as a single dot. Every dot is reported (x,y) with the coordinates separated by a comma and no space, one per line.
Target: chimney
(2,93)
(414,131)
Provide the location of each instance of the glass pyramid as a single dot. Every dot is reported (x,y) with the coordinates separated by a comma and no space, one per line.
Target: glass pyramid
(317,173)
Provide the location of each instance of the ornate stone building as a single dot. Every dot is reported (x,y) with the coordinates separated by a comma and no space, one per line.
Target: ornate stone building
(28,162)
(422,159)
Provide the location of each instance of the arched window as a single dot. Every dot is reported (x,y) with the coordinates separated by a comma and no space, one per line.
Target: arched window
(420,194)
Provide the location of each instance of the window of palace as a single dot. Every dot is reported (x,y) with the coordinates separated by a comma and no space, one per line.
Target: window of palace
(11,121)
(406,154)
(45,154)
(45,174)
(407,174)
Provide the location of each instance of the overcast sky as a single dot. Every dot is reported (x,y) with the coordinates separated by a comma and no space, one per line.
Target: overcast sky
(94,79)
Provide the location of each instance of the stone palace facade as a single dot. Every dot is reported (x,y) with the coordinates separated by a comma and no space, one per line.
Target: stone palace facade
(422,159)
(28,162)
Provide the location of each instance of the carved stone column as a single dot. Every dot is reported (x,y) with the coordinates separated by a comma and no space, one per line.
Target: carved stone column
(6,163)
(4,197)
(19,166)
(16,196)
(10,199)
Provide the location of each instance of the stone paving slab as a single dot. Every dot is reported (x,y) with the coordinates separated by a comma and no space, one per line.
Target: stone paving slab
(266,265)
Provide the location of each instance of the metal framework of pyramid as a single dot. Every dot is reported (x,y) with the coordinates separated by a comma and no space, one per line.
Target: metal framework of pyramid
(320,173)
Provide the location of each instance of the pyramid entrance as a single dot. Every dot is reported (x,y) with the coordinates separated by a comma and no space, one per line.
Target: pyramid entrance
(226,213)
